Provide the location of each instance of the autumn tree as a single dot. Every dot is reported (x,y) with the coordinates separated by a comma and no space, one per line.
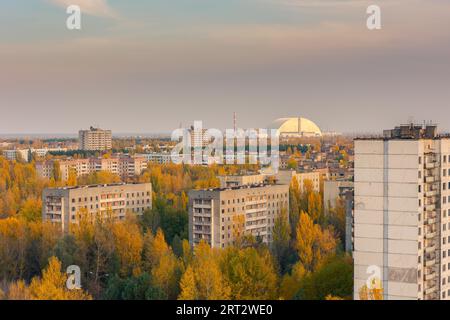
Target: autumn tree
(250,275)
(162,264)
(128,244)
(51,286)
(210,283)
(333,278)
(312,243)
(188,289)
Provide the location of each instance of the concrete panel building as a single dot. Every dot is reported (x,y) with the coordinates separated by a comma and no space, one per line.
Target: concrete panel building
(219,216)
(95,139)
(286,176)
(334,190)
(64,205)
(241,180)
(401,215)
(124,166)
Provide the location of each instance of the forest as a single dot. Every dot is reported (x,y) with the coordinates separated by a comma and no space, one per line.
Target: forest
(149,257)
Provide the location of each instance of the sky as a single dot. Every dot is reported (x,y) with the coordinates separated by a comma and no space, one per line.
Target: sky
(146,66)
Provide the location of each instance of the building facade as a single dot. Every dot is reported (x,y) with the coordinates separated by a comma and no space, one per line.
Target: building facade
(95,139)
(220,216)
(124,166)
(158,158)
(334,190)
(286,176)
(64,205)
(25,154)
(401,215)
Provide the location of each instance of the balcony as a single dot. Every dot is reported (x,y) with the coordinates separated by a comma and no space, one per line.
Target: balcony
(202,214)
(430,179)
(252,202)
(430,207)
(431,215)
(430,165)
(430,263)
(430,296)
(430,235)
(202,205)
(430,193)
(255,210)
(430,276)
(430,249)
(430,290)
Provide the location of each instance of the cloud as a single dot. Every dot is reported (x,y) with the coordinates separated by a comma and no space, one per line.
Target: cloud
(99,8)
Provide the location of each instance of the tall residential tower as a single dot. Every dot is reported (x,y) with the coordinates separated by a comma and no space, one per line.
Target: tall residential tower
(95,139)
(402,213)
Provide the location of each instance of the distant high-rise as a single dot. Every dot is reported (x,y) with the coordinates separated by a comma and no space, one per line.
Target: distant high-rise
(402,213)
(95,139)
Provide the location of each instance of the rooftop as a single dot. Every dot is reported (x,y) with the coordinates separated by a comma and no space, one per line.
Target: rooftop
(250,186)
(97,186)
(408,132)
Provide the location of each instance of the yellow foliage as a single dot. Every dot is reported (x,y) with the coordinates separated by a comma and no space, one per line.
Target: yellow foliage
(51,286)
(313,244)
(128,243)
(188,288)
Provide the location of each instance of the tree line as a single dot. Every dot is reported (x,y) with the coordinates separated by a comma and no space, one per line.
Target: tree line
(149,257)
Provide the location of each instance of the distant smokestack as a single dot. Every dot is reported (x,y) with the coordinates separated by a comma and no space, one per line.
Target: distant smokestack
(234,121)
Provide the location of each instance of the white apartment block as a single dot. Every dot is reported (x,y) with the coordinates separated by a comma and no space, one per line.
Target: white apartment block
(158,158)
(402,213)
(24,154)
(64,205)
(124,166)
(95,139)
(218,216)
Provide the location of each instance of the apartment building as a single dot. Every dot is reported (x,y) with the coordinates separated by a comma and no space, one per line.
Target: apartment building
(25,154)
(199,138)
(95,139)
(402,212)
(124,166)
(158,158)
(334,190)
(286,176)
(219,216)
(64,205)
(241,180)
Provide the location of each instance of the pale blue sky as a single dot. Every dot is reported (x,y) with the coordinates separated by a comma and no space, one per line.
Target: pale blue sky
(147,66)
